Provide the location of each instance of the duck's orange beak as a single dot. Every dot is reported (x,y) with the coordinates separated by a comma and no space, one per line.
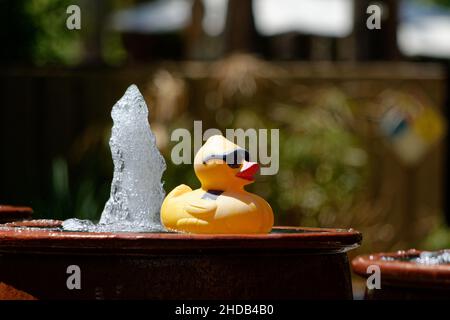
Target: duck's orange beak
(248,170)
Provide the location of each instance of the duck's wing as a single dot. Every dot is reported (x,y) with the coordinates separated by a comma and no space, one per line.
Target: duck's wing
(201,208)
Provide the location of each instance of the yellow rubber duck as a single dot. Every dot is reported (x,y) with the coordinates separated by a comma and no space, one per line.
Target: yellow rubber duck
(221,205)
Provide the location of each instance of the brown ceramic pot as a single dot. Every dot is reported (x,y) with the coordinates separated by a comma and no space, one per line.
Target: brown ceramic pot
(402,278)
(290,263)
(11,213)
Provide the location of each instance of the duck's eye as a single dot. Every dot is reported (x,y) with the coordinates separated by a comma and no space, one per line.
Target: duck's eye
(246,156)
(236,158)
(233,159)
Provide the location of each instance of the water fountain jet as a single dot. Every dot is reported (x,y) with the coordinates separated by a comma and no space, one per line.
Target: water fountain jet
(136,188)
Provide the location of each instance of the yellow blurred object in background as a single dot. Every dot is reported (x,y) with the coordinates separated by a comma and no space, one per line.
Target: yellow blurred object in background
(411,128)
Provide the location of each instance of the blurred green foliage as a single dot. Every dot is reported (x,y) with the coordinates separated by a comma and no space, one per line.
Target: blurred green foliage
(54,43)
(437,239)
(441,2)
(35,32)
(323,166)
(81,181)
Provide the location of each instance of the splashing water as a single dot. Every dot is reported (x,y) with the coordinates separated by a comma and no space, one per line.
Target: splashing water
(136,189)
(441,257)
(434,258)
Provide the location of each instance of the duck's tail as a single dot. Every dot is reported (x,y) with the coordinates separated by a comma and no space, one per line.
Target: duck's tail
(181,189)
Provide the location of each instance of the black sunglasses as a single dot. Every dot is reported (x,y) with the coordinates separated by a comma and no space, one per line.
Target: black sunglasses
(233,159)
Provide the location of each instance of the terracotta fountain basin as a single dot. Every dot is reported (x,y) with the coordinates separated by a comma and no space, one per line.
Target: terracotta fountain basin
(402,278)
(13,213)
(290,263)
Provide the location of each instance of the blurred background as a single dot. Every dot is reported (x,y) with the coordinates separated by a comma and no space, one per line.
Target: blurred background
(362,113)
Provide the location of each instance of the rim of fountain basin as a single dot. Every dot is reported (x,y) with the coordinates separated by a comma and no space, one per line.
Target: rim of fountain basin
(10,213)
(44,236)
(401,272)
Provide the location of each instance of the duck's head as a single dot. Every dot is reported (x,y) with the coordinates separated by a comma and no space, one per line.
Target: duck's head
(223,165)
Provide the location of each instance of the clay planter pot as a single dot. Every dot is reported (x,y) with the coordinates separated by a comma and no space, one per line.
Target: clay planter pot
(404,279)
(11,213)
(290,263)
